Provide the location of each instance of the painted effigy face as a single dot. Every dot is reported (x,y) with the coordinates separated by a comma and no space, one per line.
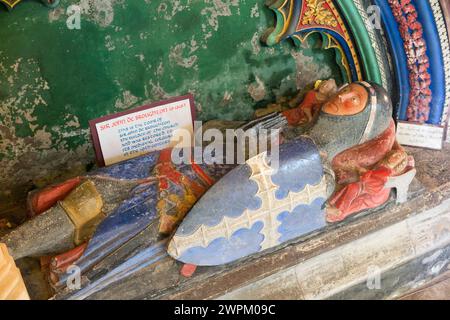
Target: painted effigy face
(349,101)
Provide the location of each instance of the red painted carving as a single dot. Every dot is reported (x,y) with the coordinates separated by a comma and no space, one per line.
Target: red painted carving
(367,193)
(411,31)
(188,270)
(43,200)
(362,173)
(311,104)
(304,112)
(61,262)
(54,266)
(167,175)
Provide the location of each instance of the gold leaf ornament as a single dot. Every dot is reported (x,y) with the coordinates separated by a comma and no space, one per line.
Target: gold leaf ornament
(317,13)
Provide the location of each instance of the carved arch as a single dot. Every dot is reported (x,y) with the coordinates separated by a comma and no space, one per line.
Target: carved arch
(419,74)
(341,26)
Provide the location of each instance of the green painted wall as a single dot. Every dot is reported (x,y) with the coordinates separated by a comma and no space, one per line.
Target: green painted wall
(128,53)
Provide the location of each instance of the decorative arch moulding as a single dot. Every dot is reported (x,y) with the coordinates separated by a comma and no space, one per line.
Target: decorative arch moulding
(446,10)
(10,4)
(410,56)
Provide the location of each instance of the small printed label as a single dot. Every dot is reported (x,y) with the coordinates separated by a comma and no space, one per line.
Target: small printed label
(128,135)
(420,135)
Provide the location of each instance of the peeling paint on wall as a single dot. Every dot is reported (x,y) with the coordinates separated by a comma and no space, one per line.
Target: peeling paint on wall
(128,53)
(307,69)
(218,9)
(127,101)
(257,90)
(176,55)
(100,12)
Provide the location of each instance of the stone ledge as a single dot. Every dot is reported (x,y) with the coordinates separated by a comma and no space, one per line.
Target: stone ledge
(362,261)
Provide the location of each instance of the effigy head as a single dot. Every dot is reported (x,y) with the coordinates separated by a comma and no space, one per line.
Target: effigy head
(350,100)
(357,113)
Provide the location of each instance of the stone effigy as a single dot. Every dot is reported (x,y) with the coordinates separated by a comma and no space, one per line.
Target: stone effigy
(90,217)
(254,208)
(349,157)
(338,157)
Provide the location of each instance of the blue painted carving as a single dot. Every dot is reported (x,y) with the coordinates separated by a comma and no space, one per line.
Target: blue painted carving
(345,48)
(434,52)
(143,259)
(216,171)
(231,196)
(130,218)
(138,168)
(398,53)
(242,243)
(299,165)
(293,16)
(302,220)
(139,211)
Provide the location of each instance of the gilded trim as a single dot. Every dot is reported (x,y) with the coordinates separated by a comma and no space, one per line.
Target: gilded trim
(10,3)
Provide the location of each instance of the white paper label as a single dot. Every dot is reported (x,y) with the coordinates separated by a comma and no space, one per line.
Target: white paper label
(417,135)
(137,133)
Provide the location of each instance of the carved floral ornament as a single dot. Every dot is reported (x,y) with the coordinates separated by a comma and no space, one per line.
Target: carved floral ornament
(418,63)
(317,13)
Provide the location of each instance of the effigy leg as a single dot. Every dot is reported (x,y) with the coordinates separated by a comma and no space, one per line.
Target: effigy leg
(367,173)
(42,200)
(368,193)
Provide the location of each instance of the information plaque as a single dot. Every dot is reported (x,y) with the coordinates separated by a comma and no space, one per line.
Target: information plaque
(132,133)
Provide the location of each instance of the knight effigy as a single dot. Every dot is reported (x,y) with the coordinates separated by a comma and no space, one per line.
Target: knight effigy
(348,162)
(353,141)
(336,158)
